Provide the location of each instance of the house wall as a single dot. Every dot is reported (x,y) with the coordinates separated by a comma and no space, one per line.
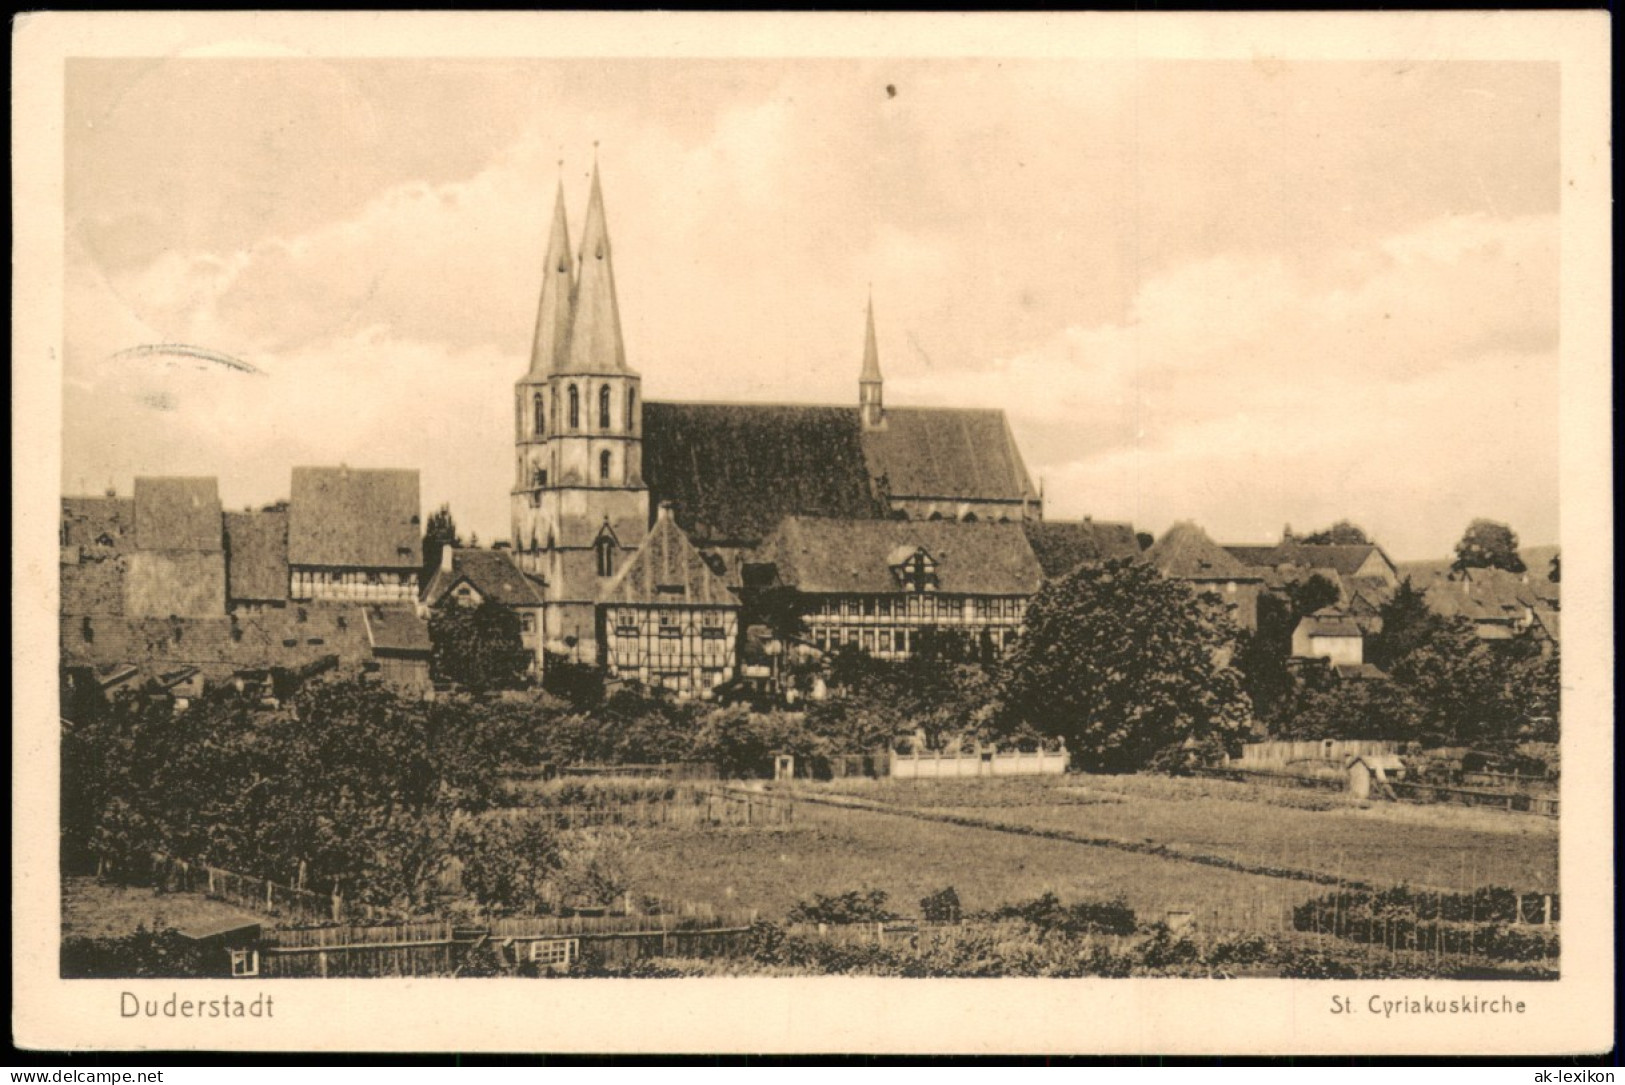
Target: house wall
(348,585)
(940,765)
(1375,566)
(182,583)
(886,625)
(1240,595)
(1338,649)
(687,649)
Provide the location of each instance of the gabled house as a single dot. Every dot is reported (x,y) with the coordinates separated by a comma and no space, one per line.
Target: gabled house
(1185,552)
(354,535)
(471,577)
(1330,634)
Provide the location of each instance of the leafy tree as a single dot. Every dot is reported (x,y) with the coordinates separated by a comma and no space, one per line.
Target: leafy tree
(1309,595)
(477,647)
(778,607)
(1459,686)
(595,868)
(507,862)
(1488,545)
(1145,539)
(1556,570)
(1342,533)
(439,533)
(1121,663)
(1407,621)
(1262,653)
(741,743)
(1351,710)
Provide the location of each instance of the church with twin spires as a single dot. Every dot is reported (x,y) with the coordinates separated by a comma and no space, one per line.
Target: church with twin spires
(643,521)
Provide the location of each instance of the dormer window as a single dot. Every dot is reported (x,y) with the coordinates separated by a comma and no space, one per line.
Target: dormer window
(917,572)
(603,407)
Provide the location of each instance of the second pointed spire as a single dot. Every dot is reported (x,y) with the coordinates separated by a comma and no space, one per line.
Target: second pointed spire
(595,344)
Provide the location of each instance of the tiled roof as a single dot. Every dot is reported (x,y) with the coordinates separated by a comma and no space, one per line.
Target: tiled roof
(558,283)
(947,453)
(396,629)
(595,344)
(1361,672)
(1343,558)
(93,586)
(257,555)
(1329,622)
(668,569)
(270,638)
(89,520)
(816,555)
(1062,545)
(361,518)
(1186,553)
(1550,620)
(733,471)
(177,514)
(492,573)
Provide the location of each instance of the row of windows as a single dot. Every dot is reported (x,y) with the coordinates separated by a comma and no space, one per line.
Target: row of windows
(891,642)
(922,608)
(573,397)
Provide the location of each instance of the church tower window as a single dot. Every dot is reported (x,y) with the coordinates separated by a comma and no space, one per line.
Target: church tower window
(605,548)
(603,466)
(541,418)
(631,407)
(575,408)
(603,407)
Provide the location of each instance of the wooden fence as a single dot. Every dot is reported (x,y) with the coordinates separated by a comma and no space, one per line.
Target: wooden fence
(1513,801)
(1340,751)
(442,949)
(700,808)
(940,763)
(258,894)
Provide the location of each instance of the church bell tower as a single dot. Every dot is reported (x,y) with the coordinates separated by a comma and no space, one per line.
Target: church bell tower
(580,507)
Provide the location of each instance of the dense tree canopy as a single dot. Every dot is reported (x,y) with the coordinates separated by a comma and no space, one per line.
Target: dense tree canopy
(1488,545)
(439,533)
(1122,663)
(478,647)
(1343,533)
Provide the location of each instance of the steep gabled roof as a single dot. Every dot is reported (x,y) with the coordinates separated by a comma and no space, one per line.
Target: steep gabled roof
(733,471)
(668,569)
(1063,545)
(88,520)
(1345,559)
(492,573)
(177,514)
(595,324)
(558,286)
(257,555)
(354,517)
(1186,553)
(839,556)
(942,452)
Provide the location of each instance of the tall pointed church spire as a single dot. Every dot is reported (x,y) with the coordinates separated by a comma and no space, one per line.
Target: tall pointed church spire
(558,284)
(870,402)
(595,331)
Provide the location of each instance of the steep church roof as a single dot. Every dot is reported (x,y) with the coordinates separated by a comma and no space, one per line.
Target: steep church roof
(257,555)
(558,285)
(733,471)
(945,452)
(491,572)
(667,569)
(595,328)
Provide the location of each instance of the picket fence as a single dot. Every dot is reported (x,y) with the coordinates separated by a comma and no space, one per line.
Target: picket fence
(271,898)
(443,949)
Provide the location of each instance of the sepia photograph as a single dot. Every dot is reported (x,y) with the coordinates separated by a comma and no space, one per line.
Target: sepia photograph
(774,516)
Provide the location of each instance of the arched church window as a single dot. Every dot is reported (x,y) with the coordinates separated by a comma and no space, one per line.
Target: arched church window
(575,408)
(541,417)
(605,548)
(603,407)
(603,466)
(631,408)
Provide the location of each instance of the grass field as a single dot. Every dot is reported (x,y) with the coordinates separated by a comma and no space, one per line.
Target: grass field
(97,910)
(1380,843)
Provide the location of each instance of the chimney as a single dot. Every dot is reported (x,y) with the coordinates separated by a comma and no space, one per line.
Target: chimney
(446,554)
(665,510)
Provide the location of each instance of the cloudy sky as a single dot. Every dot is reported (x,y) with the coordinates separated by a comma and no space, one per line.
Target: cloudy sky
(1242,293)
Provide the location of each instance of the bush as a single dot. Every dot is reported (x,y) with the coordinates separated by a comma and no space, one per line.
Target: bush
(853,906)
(1085,917)
(594,869)
(142,954)
(941,906)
